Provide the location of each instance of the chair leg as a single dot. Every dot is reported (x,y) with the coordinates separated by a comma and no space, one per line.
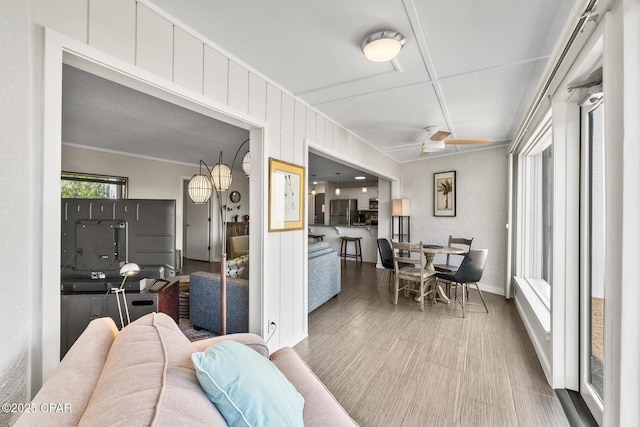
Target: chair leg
(380,280)
(482,297)
(421,295)
(397,290)
(464,288)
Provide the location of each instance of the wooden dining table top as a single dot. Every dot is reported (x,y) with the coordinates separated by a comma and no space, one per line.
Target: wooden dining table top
(436,249)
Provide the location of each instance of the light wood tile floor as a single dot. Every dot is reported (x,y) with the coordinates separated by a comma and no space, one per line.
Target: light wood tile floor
(393,365)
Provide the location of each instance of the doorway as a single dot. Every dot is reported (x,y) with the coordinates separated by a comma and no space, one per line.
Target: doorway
(59,50)
(196,222)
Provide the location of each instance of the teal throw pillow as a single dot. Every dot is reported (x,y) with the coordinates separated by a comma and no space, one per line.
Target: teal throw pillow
(247,388)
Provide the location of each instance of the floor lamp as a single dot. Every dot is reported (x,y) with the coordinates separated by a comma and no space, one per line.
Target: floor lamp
(200,187)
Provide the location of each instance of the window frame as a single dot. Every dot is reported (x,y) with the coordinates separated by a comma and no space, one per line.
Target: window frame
(123,181)
(529,258)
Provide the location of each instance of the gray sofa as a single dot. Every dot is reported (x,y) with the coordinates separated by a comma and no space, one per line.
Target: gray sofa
(204,302)
(324,274)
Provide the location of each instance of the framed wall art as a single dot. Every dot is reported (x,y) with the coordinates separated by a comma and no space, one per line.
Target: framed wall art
(286,196)
(444,193)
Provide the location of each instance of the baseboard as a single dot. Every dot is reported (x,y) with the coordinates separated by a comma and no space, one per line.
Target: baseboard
(493,289)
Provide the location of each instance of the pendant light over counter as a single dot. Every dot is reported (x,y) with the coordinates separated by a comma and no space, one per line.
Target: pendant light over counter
(337,183)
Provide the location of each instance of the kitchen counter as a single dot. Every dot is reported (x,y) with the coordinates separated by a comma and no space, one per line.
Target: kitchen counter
(332,234)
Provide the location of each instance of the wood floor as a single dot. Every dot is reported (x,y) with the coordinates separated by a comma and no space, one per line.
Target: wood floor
(393,365)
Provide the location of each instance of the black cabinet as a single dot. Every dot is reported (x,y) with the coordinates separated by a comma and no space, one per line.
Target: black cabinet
(78,309)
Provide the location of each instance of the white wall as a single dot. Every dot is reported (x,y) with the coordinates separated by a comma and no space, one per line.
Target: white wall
(17,181)
(146,40)
(481,206)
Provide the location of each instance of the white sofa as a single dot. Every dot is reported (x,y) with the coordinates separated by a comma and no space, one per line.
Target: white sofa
(144,376)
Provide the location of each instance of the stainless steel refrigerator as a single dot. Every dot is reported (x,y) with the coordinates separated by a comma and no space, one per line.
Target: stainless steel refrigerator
(343,211)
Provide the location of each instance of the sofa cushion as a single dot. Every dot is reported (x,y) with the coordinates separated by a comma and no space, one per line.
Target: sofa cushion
(247,388)
(148,379)
(321,408)
(238,246)
(236,267)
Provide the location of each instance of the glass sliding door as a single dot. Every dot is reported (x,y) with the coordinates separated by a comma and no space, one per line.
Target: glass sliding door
(592,256)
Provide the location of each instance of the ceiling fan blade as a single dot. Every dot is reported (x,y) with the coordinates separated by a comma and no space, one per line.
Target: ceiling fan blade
(467,141)
(440,135)
(424,153)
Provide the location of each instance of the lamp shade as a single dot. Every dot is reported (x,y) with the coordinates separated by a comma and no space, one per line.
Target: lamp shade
(337,191)
(401,207)
(246,163)
(382,46)
(199,189)
(221,177)
(129,269)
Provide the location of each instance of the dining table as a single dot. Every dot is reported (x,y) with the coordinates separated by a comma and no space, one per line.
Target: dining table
(430,251)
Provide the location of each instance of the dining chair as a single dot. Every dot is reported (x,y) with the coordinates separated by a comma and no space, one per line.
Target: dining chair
(412,254)
(448,267)
(469,273)
(386,258)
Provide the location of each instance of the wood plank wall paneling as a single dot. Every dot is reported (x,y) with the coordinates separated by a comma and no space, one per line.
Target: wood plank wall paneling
(310,128)
(238,87)
(154,43)
(286,123)
(188,60)
(274,113)
(216,76)
(112,27)
(257,97)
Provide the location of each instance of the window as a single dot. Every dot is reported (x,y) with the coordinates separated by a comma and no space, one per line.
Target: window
(536,231)
(88,186)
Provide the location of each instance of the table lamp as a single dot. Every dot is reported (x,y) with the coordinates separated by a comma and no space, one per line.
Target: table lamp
(127,270)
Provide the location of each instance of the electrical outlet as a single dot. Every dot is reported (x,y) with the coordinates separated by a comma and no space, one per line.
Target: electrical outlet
(272,325)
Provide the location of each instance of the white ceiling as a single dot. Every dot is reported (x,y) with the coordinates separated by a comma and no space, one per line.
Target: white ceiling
(468,66)
(98,113)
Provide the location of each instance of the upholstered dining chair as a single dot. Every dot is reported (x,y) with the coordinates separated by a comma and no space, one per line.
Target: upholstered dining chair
(386,258)
(448,266)
(412,254)
(469,273)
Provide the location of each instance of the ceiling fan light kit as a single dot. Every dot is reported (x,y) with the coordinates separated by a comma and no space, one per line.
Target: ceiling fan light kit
(382,46)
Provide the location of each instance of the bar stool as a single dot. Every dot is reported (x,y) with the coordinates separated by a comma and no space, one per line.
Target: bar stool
(344,245)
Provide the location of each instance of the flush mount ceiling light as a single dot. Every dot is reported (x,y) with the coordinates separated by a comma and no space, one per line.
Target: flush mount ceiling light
(382,46)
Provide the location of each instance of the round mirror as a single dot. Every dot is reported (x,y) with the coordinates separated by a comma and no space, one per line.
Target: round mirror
(234,196)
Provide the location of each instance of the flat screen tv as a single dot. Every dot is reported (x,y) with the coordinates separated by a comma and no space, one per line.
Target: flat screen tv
(99,236)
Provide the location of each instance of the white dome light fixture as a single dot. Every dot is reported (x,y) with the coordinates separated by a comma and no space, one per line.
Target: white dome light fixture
(382,46)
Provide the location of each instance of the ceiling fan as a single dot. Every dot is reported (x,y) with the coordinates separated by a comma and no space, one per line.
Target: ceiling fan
(437,140)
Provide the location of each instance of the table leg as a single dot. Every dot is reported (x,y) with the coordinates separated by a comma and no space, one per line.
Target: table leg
(439,292)
(429,257)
